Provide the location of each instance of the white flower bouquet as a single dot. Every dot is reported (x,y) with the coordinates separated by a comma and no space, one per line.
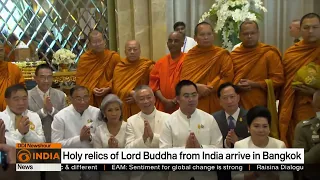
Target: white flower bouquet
(63,56)
(228,15)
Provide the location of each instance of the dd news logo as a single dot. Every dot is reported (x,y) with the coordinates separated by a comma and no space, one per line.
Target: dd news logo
(38,153)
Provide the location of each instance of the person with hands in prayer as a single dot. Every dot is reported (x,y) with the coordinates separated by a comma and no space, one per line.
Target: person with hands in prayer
(74,127)
(111,133)
(189,127)
(24,125)
(144,128)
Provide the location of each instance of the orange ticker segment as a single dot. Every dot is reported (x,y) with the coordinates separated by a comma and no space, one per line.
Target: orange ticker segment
(39,145)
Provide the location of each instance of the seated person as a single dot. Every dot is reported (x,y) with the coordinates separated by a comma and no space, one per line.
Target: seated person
(259,120)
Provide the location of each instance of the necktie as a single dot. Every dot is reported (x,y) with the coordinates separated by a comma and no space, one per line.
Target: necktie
(231,123)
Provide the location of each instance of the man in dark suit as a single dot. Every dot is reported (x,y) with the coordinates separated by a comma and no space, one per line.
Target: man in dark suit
(231,119)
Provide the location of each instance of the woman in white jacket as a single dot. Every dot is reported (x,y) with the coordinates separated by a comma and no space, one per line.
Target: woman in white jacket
(259,120)
(111,133)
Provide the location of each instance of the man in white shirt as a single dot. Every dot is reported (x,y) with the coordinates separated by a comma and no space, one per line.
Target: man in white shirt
(143,129)
(189,127)
(23,125)
(189,42)
(44,100)
(74,127)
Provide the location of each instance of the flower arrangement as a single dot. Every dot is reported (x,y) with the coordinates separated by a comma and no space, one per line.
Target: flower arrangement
(63,56)
(228,15)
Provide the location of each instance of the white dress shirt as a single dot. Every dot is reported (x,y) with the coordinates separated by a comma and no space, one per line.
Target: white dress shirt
(177,129)
(189,43)
(272,143)
(102,136)
(35,133)
(67,125)
(7,122)
(135,129)
(42,95)
(234,115)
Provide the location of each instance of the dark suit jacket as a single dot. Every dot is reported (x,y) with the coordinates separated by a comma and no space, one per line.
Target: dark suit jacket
(241,130)
(241,126)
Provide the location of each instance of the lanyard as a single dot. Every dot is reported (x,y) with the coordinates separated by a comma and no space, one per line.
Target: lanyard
(184,44)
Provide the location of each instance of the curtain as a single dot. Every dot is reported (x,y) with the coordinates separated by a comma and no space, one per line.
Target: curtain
(274,29)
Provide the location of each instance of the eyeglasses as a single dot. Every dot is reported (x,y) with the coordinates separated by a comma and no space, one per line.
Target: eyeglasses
(80,99)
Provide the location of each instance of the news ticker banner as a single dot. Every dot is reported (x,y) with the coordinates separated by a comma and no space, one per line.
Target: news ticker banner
(51,157)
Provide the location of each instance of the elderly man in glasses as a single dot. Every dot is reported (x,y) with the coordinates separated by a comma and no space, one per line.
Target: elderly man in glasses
(74,127)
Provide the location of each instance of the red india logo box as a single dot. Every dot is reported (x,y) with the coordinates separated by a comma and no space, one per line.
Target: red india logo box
(38,152)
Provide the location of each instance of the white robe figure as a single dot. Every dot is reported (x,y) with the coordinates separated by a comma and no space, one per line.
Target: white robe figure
(102,136)
(272,143)
(176,131)
(134,133)
(66,127)
(35,134)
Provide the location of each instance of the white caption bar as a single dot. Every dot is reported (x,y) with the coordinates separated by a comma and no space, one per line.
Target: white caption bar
(182,156)
(38,167)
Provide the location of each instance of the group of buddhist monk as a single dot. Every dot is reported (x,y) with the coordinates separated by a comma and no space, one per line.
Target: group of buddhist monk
(257,68)
(262,73)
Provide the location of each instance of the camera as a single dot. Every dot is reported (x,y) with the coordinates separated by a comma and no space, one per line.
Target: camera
(3,160)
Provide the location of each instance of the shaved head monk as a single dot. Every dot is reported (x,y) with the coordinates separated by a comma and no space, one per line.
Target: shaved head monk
(10,75)
(131,72)
(95,68)
(166,74)
(208,66)
(258,71)
(296,101)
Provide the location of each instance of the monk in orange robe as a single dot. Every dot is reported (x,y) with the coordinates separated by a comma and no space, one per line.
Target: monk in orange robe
(296,101)
(95,68)
(166,74)
(128,74)
(208,66)
(253,63)
(10,75)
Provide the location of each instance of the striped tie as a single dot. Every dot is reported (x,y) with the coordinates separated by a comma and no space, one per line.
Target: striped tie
(231,123)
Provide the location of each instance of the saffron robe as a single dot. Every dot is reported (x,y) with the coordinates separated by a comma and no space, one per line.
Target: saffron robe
(294,106)
(164,77)
(95,70)
(127,76)
(210,66)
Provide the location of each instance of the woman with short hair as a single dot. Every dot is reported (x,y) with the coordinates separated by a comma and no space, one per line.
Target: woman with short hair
(259,121)
(111,133)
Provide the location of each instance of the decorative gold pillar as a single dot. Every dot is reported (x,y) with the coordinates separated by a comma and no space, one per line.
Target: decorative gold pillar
(112,25)
(145,21)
